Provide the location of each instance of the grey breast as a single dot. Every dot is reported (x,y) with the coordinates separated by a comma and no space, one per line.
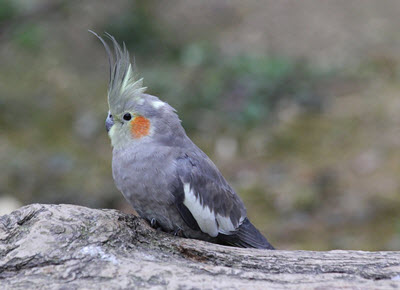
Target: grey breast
(143,173)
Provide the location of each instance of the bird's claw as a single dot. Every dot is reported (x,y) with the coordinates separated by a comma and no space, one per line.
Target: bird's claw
(153,223)
(178,232)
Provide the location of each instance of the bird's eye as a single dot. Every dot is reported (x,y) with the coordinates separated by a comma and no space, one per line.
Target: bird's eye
(127,117)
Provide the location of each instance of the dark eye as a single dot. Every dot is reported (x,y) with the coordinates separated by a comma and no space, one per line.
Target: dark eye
(127,117)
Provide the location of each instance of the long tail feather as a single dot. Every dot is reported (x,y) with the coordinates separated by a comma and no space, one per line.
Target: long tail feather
(247,236)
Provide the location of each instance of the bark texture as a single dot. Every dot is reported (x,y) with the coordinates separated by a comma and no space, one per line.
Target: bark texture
(73,247)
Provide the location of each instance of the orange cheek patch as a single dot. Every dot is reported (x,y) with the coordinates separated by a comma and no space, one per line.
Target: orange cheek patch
(140,127)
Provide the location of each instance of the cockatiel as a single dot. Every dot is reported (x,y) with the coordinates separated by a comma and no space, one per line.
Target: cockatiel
(167,179)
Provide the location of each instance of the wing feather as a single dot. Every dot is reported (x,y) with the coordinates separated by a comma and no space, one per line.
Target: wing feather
(206,195)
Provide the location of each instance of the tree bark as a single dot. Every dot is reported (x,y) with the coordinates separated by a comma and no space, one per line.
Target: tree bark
(74,247)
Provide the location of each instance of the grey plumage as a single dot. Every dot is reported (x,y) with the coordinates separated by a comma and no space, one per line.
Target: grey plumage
(162,173)
(210,187)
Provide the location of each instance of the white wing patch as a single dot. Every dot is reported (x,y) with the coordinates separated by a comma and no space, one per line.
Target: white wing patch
(208,221)
(203,215)
(157,104)
(225,225)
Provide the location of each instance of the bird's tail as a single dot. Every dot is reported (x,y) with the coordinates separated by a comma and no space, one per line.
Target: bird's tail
(247,236)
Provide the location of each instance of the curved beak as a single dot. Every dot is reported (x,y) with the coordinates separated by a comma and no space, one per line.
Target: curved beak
(109,122)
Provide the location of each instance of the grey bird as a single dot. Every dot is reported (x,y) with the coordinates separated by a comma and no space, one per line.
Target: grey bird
(167,179)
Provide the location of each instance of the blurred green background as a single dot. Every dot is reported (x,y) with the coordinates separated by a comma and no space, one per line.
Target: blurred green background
(297,102)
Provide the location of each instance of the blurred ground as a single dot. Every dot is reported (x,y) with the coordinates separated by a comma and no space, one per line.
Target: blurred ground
(297,104)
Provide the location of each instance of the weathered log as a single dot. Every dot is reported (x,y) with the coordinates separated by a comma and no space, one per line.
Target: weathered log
(73,247)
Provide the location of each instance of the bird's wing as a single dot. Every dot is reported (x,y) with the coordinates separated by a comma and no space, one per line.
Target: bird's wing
(204,199)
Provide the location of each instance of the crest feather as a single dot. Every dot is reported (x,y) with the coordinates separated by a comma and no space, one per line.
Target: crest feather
(123,86)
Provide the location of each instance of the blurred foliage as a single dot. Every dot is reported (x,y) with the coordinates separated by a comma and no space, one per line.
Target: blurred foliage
(28,36)
(246,89)
(141,33)
(7,10)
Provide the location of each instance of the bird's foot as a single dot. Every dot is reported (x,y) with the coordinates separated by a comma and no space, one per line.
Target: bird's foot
(154,224)
(178,233)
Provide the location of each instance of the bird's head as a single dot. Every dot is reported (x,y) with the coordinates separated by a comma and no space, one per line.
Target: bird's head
(134,116)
